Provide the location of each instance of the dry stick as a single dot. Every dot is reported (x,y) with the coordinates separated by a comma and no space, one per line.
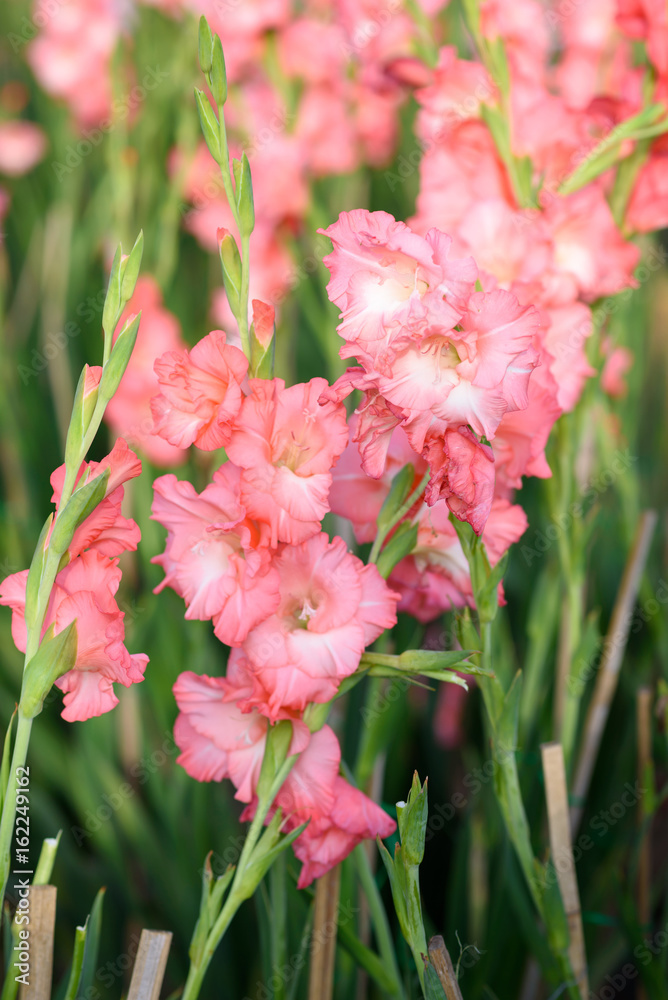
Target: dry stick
(644,736)
(323,941)
(611,661)
(563,666)
(561,849)
(150,963)
(440,959)
(42,910)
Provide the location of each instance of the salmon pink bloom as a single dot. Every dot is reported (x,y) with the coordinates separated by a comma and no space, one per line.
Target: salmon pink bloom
(22,146)
(216,738)
(84,591)
(339,816)
(286,442)
(618,362)
(385,278)
(331,606)
(435,577)
(215,557)
(201,393)
(105,529)
(462,474)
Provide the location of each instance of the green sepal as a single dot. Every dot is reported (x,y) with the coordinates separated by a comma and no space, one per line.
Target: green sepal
(266,851)
(82,413)
(56,655)
(205,46)
(412,821)
(83,502)
(130,269)
(400,545)
(209,125)
(35,573)
(230,260)
(114,369)
(112,303)
(217,74)
(244,197)
(510,714)
(213,890)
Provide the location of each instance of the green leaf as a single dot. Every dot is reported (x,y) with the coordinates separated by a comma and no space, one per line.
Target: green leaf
(399,492)
(77,962)
(209,125)
(6,760)
(55,656)
(47,859)
(400,545)
(82,412)
(432,984)
(264,855)
(92,946)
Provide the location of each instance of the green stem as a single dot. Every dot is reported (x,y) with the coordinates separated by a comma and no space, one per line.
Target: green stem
(19,758)
(379,918)
(279,921)
(401,513)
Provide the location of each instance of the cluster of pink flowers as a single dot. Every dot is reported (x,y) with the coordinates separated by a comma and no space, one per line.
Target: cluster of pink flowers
(248,554)
(85,590)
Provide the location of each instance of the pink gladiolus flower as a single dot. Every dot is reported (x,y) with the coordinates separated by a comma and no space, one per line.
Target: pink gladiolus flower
(217,740)
(435,577)
(286,442)
(216,557)
(201,393)
(72,53)
(339,815)
(331,606)
(462,474)
(648,206)
(105,529)
(84,591)
(129,411)
(385,278)
(618,362)
(22,146)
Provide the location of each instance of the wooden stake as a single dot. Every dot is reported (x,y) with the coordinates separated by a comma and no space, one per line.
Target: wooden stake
(440,959)
(149,970)
(42,924)
(611,661)
(644,737)
(323,941)
(561,850)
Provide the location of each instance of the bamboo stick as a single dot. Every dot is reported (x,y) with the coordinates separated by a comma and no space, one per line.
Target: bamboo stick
(41,925)
(561,849)
(323,941)
(440,959)
(611,661)
(149,968)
